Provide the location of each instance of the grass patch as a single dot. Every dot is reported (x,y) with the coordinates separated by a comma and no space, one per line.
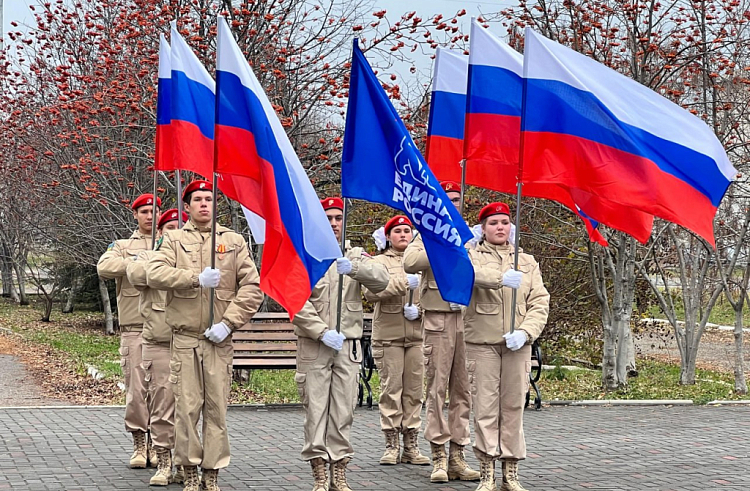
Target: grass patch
(655,380)
(278,387)
(721,314)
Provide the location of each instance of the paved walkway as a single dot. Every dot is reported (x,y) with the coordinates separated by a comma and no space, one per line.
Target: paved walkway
(17,387)
(570,448)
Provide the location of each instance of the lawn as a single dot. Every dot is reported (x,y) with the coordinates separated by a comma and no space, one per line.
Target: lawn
(722,313)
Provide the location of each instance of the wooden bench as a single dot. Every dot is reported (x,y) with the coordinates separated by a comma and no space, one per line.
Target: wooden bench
(268,342)
(534,376)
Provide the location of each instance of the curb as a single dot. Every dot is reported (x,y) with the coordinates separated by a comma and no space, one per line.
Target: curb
(742,402)
(624,402)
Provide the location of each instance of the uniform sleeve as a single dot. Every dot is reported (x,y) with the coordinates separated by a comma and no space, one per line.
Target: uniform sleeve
(397,286)
(309,322)
(248,297)
(161,273)
(112,265)
(484,277)
(415,257)
(368,272)
(136,271)
(537,306)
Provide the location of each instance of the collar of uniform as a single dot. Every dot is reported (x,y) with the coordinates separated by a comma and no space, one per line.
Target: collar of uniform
(498,249)
(138,235)
(190,225)
(392,252)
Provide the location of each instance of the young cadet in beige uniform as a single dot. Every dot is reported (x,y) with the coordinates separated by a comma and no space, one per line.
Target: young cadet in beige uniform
(328,362)
(445,366)
(397,348)
(201,366)
(157,337)
(113,265)
(499,362)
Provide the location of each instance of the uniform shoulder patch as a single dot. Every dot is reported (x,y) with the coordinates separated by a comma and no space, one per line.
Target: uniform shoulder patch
(111,246)
(158,243)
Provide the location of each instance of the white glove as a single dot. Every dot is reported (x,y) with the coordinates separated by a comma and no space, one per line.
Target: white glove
(334,340)
(413,281)
(411,312)
(512,279)
(380,238)
(455,307)
(343,265)
(217,333)
(209,278)
(515,340)
(477,231)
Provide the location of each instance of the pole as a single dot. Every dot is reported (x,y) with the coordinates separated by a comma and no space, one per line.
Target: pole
(341,277)
(153,210)
(178,178)
(462,163)
(213,250)
(411,297)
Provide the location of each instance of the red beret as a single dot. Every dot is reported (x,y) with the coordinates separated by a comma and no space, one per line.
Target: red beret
(395,222)
(330,203)
(145,199)
(171,215)
(197,185)
(451,186)
(494,209)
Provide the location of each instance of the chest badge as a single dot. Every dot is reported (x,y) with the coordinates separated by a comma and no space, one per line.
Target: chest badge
(220,250)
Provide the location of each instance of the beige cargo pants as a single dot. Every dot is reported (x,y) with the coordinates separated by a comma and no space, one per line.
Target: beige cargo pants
(401,371)
(136,407)
(445,370)
(327,384)
(201,376)
(499,381)
(156,358)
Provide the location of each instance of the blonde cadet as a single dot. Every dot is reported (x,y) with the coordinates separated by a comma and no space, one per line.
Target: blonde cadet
(328,362)
(397,347)
(445,367)
(113,265)
(157,338)
(201,363)
(499,361)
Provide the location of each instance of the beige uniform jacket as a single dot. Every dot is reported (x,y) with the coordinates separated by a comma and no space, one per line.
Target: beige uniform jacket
(487,317)
(175,267)
(155,328)
(113,265)
(321,311)
(389,323)
(416,261)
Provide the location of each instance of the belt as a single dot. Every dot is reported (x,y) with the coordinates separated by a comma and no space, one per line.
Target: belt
(184,332)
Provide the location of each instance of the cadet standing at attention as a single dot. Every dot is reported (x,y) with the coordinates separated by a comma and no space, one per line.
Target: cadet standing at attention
(397,348)
(157,337)
(328,362)
(499,361)
(201,365)
(113,265)
(445,366)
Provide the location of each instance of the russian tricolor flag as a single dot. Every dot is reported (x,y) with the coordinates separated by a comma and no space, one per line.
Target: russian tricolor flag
(192,110)
(445,131)
(251,145)
(163,159)
(590,128)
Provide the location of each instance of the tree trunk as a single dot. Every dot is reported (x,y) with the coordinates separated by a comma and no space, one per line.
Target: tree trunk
(20,274)
(687,366)
(70,300)
(48,301)
(104,294)
(740,385)
(625,348)
(610,380)
(9,288)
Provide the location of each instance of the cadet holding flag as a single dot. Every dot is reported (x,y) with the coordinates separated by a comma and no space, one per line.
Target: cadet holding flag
(201,364)
(157,337)
(328,361)
(113,265)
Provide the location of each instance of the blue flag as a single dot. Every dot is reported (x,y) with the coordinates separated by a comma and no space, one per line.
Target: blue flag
(381,164)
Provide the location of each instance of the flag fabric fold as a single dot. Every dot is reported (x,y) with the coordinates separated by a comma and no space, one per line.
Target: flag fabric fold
(163,159)
(253,149)
(381,164)
(445,129)
(192,110)
(614,138)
